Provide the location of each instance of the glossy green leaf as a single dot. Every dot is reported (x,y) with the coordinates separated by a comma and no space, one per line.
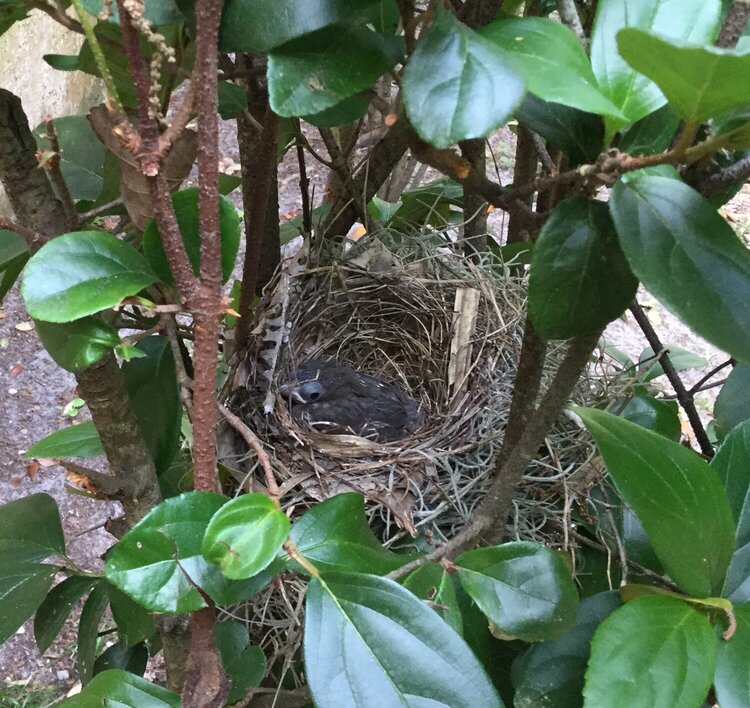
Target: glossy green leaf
(63,62)
(458,85)
(651,134)
(653,651)
(23,587)
(121,688)
(634,94)
(119,656)
(579,135)
(551,673)
(186,208)
(157,12)
(346,111)
(244,664)
(88,631)
(429,204)
(682,360)
(57,606)
(699,82)
(579,279)
(431,584)
(245,535)
(232,100)
(650,413)
(14,252)
(80,440)
(334,536)
(318,71)
(397,651)
(134,623)
(159,563)
(731,464)
(78,344)
(675,494)
(733,403)
(12,12)
(34,519)
(260,25)
(80,273)
(552,62)
(523,588)
(152,388)
(732,680)
(81,155)
(688,257)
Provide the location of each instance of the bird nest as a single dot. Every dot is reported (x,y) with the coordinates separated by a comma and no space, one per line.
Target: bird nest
(448,332)
(445,330)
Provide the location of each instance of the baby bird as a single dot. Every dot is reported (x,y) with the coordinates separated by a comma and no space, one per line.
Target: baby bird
(335,398)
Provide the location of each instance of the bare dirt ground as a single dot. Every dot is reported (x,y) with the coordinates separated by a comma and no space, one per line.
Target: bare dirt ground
(34,393)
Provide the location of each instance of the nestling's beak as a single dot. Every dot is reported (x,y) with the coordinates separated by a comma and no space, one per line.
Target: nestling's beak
(291,391)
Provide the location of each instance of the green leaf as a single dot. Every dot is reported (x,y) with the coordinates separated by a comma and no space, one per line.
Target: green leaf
(653,651)
(682,360)
(551,673)
(245,665)
(651,134)
(80,440)
(552,61)
(88,631)
(334,536)
(699,82)
(23,587)
(34,519)
(81,273)
(232,100)
(730,463)
(660,416)
(634,94)
(121,688)
(151,382)
(346,111)
(431,584)
(579,135)
(522,587)
(318,71)
(733,404)
(63,62)
(398,651)
(14,252)
(228,183)
(78,344)
(687,256)
(134,623)
(458,85)
(260,25)
(186,208)
(157,12)
(732,681)
(579,279)
(245,535)
(675,495)
(159,563)
(119,656)
(81,155)
(57,606)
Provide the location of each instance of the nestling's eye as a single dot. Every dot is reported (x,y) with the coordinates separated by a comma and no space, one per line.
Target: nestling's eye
(310,390)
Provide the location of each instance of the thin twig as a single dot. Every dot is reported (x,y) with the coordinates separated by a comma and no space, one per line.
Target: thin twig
(304,181)
(699,384)
(93,213)
(33,238)
(180,119)
(684,398)
(253,442)
(544,157)
(183,380)
(52,167)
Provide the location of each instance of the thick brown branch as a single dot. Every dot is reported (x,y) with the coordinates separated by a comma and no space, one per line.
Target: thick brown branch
(734,23)
(684,398)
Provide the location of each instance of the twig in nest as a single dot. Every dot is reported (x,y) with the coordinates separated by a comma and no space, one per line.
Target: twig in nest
(252,440)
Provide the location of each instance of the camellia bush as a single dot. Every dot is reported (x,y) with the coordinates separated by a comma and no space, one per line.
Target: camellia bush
(633,122)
